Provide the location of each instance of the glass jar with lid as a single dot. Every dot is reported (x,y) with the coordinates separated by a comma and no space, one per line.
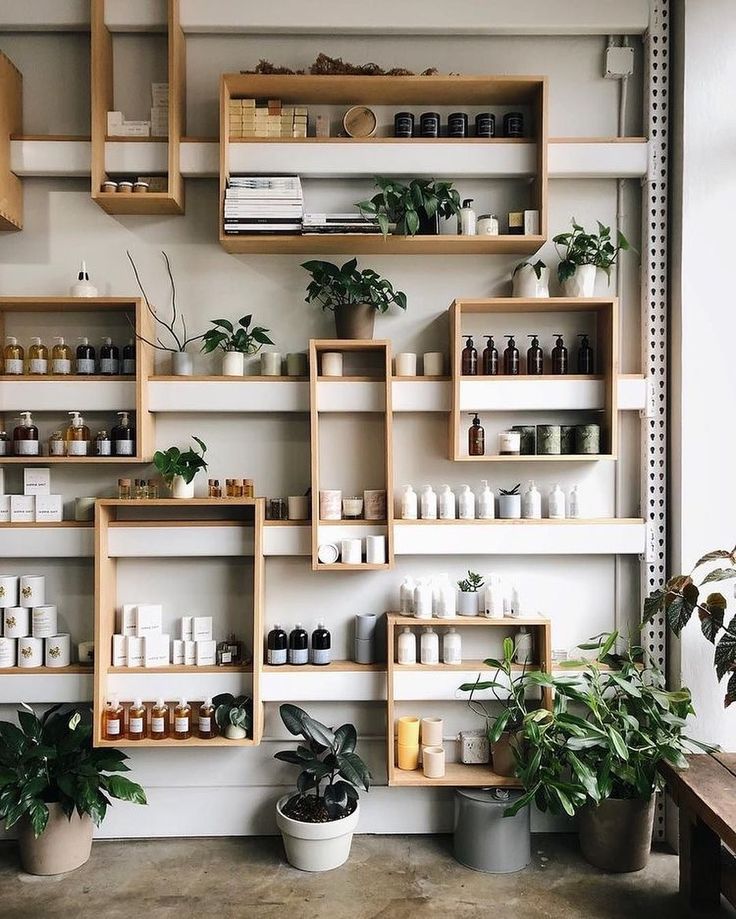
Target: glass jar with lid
(103,444)
(57,444)
(487,225)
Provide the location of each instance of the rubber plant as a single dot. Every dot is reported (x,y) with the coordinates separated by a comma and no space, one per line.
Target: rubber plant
(578,247)
(175,462)
(410,207)
(227,337)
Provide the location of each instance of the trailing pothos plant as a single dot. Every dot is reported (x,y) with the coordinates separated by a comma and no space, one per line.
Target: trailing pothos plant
(50,759)
(409,206)
(508,688)
(228,337)
(684,594)
(581,248)
(327,756)
(334,287)
(173,462)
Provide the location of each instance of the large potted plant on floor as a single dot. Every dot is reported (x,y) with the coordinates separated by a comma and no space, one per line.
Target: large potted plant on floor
(235,341)
(582,254)
(411,209)
(178,468)
(353,296)
(54,786)
(317,823)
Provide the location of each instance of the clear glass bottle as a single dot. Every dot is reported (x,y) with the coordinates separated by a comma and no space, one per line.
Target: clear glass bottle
(13,356)
(321,645)
(109,358)
(38,357)
(25,437)
(61,357)
(160,720)
(128,366)
(229,489)
(407,647)
(139,489)
(57,444)
(237,488)
(152,489)
(77,436)
(206,727)
(112,720)
(85,357)
(213,489)
(276,646)
(298,645)
(103,446)
(137,721)
(123,436)
(248,488)
(183,720)
(124,490)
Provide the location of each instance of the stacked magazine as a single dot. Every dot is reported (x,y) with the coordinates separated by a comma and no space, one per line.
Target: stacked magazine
(340,223)
(263,204)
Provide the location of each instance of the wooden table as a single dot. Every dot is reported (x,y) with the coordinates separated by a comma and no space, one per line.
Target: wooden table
(706,796)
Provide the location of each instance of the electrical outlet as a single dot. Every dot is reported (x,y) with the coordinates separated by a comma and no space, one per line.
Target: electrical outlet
(619,62)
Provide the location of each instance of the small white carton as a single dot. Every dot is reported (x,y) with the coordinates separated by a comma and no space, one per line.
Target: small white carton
(49,508)
(125,619)
(134,651)
(37,480)
(119,656)
(22,508)
(202,628)
(205,653)
(148,619)
(156,651)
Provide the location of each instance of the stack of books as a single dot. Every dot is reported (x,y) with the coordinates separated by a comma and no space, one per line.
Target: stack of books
(248,118)
(339,223)
(263,204)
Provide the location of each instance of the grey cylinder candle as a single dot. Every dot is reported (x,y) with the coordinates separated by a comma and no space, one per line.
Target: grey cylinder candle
(528,438)
(548,439)
(567,438)
(588,438)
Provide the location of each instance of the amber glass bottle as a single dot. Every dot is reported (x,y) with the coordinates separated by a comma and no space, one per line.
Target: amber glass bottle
(112,720)
(183,720)
(476,438)
(469,358)
(137,721)
(159,721)
(206,727)
(38,358)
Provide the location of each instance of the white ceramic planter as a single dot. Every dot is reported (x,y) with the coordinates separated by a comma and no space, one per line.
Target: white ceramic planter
(182,364)
(528,286)
(182,489)
(316,846)
(235,732)
(509,507)
(467,603)
(233,363)
(582,283)
(63,846)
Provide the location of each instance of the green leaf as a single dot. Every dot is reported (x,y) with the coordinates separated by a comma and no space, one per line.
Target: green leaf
(123,789)
(291,757)
(39,815)
(712,556)
(711,615)
(353,769)
(346,738)
(653,605)
(719,574)
(618,743)
(586,776)
(223,324)
(725,656)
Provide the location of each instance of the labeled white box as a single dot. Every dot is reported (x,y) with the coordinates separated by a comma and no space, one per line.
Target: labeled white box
(5,508)
(119,655)
(22,508)
(531,223)
(185,632)
(159,93)
(177,652)
(114,119)
(156,651)
(49,508)
(125,619)
(202,628)
(190,653)
(37,480)
(205,653)
(148,619)
(134,651)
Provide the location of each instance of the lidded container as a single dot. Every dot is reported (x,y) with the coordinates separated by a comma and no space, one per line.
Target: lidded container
(484,839)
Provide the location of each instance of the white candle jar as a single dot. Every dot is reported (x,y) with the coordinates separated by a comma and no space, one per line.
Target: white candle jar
(8,652)
(32,590)
(43,621)
(432,732)
(330,504)
(375,550)
(406,364)
(434,364)
(8,590)
(58,651)
(17,622)
(331,364)
(30,652)
(351,551)
(433,762)
(509,443)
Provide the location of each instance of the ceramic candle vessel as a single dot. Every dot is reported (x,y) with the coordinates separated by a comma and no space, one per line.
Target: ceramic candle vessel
(548,439)
(434,364)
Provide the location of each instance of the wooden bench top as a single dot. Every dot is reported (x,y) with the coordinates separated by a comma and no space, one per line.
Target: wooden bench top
(708,790)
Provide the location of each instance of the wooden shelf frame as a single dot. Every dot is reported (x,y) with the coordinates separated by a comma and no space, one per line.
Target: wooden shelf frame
(381,348)
(396,91)
(170,202)
(143,420)
(11,122)
(605,310)
(456,774)
(247,512)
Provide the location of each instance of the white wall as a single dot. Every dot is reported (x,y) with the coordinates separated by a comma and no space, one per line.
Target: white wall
(232,791)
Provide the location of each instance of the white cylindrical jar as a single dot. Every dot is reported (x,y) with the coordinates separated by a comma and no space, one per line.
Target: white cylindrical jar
(43,621)
(406,364)
(375,550)
(30,652)
(32,590)
(8,590)
(331,364)
(429,649)
(423,599)
(452,648)
(433,363)
(428,503)
(8,652)
(407,647)
(351,551)
(17,622)
(509,443)
(59,651)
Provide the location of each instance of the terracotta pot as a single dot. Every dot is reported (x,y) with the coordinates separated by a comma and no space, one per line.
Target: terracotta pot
(616,835)
(63,846)
(502,755)
(355,321)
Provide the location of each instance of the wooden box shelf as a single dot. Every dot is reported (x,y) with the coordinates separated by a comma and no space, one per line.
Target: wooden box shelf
(129,682)
(11,123)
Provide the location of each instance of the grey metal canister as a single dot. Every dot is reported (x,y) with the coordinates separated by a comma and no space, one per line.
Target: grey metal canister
(485,840)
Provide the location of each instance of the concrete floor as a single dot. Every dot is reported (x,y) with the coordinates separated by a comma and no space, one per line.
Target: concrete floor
(392,877)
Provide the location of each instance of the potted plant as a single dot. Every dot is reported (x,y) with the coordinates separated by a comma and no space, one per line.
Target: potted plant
(413,208)
(582,254)
(530,280)
(681,597)
(233,715)
(54,786)
(181,361)
(178,468)
(234,342)
(317,823)
(353,296)
(467,602)
(509,690)
(509,503)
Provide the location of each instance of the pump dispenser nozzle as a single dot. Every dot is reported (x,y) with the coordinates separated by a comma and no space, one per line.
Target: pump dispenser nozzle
(25,419)
(77,420)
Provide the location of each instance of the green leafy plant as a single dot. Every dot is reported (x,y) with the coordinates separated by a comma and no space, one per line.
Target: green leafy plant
(334,287)
(510,491)
(508,688)
(536,266)
(173,462)
(243,339)
(472,584)
(580,248)
(233,710)
(408,206)
(51,760)
(681,597)
(329,756)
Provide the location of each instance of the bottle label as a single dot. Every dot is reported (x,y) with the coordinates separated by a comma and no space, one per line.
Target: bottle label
(85,365)
(158,725)
(76,447)
(321,656)
(56,448)
(123,448)
(13,365)
(181,724)
(129,365)
(109,366)
(103,447)
(205,725)
(135,725)
(61,365)
(37,365)
(113,725)
(299,656)
(276,657)
(25,447)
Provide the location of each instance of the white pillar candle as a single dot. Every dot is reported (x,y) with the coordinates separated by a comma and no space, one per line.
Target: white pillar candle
(434,364)
(331,364)
(58,651)
(17,622)
(8,652)
(30,652)
(271,364)
(330,504)
(509,443)
(32,590)
(406,364)
(297,364)
(328,553)
(375,550)
(351,551)
(43,621)
(433,762)
(431,732)
(8,590)
(298,507)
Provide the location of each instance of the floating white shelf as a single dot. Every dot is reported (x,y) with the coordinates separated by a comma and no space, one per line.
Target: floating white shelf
(531,393)
(218,539)
(34,685)
(343,680)
(58,540)
(174,683)
(46,395)
(203,394)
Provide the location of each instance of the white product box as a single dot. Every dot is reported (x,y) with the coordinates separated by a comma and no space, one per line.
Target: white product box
(205,653)
(125,619)
(136,129)
(119,654)
(49,509)
(114,119)
(177,652)
(159,93)
(22,508)
(148,619)
(4,508)
(185,632)
(134,651)
(190,653)
(156,651)
(37,480)
(202,628)
(531,223)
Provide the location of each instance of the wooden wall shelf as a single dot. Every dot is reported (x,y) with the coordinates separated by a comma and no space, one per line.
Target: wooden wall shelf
(11,122)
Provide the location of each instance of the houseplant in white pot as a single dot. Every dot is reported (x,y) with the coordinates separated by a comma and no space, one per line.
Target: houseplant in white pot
(530,281)
(235,343)
(317,823)
(353,296)
(54,786)
(233,715)
(178,468)
(468,598)
(509,503)
(582,254)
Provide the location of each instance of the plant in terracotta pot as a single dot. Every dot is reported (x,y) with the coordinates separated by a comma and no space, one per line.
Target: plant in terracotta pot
(178,468)
(235,342)
(582,254)
(317,823)
(469,587)
(530,280)
(353,296)
(55,786)
(233,715)
(413,208)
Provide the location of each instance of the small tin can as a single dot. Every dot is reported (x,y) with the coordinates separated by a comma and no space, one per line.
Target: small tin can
(125,188)
(513,124)
(457,124)
(429,124)
(109,186)
(403,124)
(140,188)
(485,124)
(528,434)
(487,225)
(587,439)
(548,439)
(567,439)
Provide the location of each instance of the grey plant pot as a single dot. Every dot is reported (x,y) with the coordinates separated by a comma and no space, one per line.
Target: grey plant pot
(182,364)
(355,321)
(616,835)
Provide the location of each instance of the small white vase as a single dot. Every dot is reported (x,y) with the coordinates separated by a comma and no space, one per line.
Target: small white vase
(233,363)
(526,284)
(582,283)
(467,603)
(182,364)
(235,732)
(182,489)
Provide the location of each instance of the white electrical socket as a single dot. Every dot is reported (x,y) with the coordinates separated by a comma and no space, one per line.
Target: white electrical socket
(619,62)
